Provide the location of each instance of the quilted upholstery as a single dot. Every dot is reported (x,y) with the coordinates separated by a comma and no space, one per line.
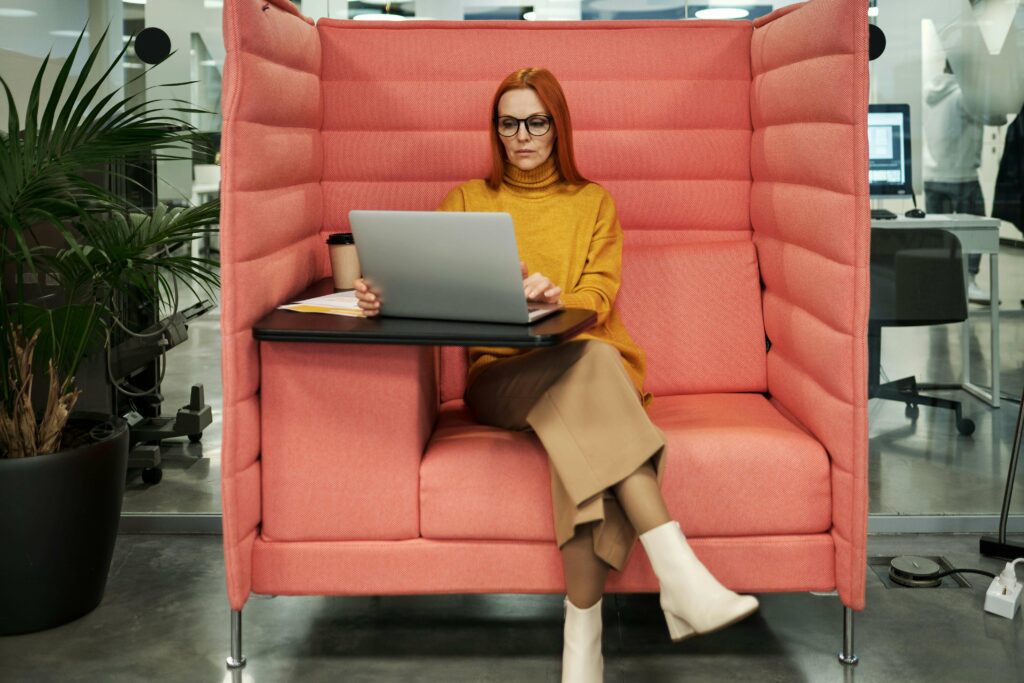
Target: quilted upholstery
(809,211)
(751,135)
(654,109)
(270,222)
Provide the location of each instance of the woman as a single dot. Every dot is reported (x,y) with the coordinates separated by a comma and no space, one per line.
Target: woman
(584,398)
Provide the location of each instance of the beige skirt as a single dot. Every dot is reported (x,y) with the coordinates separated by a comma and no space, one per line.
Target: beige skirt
(581,403)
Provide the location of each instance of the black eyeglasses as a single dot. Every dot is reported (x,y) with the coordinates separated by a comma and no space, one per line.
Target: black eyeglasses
(508,126)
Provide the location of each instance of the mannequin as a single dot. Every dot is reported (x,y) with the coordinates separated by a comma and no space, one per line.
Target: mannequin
(985,47)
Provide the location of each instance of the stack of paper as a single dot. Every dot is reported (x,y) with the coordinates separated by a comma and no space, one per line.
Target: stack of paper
(339,303)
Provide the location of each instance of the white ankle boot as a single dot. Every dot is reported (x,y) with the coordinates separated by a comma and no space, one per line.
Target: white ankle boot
(692,599)
(581,653)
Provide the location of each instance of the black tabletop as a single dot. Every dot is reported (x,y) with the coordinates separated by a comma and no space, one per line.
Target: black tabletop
(281,325)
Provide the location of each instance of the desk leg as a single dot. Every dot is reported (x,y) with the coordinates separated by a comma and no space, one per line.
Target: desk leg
(965,337)
(194,247)
(992,397)
(993,275)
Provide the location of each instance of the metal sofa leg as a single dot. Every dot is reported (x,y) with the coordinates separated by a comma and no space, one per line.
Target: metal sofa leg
(846,655)
(236,660)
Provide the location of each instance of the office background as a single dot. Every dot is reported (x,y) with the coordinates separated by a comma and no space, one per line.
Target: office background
(924,476)
(165,615)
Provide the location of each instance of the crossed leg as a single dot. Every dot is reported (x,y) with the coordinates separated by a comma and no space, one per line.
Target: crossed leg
(641,499)
(508,395)
(585,573)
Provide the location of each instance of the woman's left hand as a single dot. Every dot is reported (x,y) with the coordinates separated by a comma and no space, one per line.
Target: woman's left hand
(539,287)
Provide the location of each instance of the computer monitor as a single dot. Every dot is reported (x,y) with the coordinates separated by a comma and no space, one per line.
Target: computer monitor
(889,149)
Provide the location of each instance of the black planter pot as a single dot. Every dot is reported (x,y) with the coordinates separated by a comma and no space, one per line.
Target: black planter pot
(59,515)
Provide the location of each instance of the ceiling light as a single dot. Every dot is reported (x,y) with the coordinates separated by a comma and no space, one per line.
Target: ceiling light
(872,11)
(67,34)
(721,13)
(17,13)
(372,16)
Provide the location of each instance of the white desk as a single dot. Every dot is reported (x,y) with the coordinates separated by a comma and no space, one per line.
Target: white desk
(977,235)
(201,193)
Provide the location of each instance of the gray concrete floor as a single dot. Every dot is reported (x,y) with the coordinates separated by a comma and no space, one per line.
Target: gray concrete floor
(926,468)
(191,472)
(165,618)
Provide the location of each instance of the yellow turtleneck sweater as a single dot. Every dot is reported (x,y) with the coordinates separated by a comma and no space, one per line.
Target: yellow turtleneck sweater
(571,234)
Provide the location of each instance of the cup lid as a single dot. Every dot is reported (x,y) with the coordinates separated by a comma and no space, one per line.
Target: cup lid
(341,238)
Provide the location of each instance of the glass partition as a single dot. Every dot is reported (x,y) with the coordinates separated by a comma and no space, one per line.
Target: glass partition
(957,68)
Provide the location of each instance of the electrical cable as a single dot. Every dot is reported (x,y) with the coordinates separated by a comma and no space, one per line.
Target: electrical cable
(161,364)
(167,325)
(161,358)
(984,572)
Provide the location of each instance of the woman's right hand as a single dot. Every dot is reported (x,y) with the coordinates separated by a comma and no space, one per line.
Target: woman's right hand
(368,298)
(538,287)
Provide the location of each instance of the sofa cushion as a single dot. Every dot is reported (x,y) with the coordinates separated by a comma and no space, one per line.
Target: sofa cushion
(736,467)
(694,309)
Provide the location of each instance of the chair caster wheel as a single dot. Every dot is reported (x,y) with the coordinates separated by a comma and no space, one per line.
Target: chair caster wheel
(912,411)
(965,426)
(152,475)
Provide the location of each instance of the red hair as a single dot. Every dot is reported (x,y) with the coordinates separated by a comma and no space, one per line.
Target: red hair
(548,90)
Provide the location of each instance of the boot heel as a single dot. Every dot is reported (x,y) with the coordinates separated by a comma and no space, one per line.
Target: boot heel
(678,629)
(688,590)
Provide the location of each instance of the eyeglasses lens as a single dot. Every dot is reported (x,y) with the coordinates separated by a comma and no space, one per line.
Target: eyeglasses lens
(509,127)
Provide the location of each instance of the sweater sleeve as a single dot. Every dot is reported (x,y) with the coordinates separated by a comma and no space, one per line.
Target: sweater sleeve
(454,200)
(602,273)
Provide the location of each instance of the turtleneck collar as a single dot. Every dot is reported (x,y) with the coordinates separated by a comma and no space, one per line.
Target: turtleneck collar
(538,180)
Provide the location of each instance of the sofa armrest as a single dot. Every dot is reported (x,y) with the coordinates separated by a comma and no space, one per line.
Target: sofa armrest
(271,214)
(810,216)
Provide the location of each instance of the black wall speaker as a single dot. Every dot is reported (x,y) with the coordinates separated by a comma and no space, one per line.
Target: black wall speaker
(152,45)
(876,41)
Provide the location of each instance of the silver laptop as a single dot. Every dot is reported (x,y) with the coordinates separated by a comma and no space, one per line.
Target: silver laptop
(458,265)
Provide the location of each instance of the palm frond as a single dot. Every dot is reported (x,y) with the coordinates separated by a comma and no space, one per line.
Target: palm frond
(109,251)
(72,97)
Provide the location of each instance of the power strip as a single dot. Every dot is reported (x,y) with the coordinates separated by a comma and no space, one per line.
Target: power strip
(1003,595)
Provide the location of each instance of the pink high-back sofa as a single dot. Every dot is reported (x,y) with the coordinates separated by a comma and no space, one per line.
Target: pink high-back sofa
(736,154)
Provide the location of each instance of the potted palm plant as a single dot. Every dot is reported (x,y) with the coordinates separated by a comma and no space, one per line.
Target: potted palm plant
(71,253)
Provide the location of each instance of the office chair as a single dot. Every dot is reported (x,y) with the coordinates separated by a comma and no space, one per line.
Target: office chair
(917,278)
